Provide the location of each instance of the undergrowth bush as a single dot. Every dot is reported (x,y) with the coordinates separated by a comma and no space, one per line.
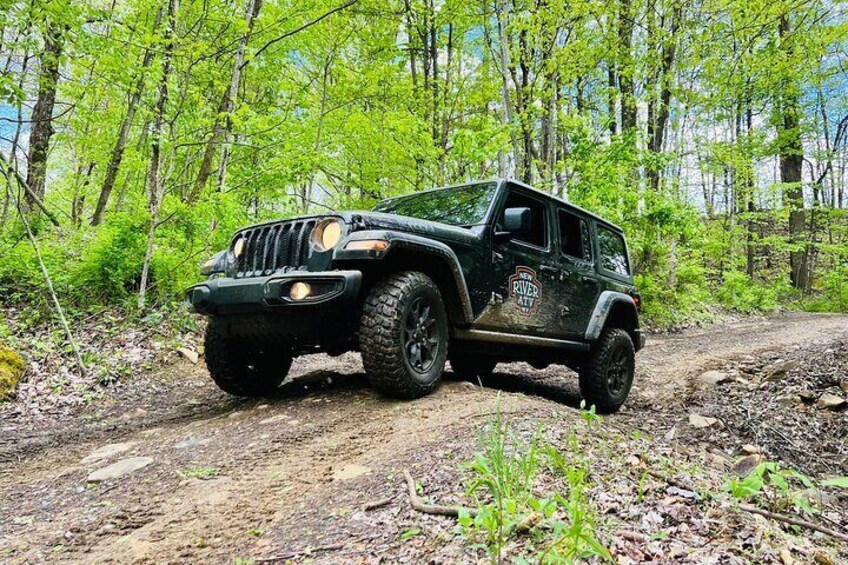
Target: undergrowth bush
(506,481)
(738,292)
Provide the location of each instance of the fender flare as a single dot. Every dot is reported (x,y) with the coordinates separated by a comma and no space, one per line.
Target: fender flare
(399,241)
(603,306)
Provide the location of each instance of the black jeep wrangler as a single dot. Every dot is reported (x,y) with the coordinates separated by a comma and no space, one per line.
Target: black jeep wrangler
(477,274)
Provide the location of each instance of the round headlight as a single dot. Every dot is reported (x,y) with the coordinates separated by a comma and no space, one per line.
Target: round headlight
(327,234)
(238,247)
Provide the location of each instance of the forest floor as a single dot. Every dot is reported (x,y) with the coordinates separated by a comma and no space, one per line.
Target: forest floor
(222,480)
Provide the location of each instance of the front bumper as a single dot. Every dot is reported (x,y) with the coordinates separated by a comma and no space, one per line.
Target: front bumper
(224,296)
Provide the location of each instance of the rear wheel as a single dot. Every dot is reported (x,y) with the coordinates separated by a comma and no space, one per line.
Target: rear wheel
(404,335)
(606,378)
(245,366)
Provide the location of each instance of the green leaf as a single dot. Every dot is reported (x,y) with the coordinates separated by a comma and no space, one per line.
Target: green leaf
(410,533)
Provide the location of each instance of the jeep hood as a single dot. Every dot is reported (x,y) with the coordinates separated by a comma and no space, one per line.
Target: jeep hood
(367,220)
(379,220)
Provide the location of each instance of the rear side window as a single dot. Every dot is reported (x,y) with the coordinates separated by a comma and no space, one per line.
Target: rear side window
(574,236)
(538,234)
(613,251)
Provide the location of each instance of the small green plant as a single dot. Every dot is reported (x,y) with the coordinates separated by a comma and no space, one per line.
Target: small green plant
(590,416)
(410,533)
(779,488)
(256,532)
(505,475)
(203,473)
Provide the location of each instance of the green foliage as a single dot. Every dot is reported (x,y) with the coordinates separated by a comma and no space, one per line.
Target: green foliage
(110,264)
(833,297)
(739,293)
(202,473)
(380,99)
(780,488)
(504,481)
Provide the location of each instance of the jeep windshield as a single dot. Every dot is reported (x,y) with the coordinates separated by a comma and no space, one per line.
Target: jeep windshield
(457,206)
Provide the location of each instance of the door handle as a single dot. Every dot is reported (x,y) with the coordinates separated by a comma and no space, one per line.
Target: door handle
(549,270)
(589,280)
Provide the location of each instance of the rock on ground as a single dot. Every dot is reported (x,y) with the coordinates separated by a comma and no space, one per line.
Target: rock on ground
(711,378)
(107,451)
(119,469)
(698,421)
(828,401)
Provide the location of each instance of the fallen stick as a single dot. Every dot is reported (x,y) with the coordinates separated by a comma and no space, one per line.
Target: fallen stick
(670,480)
(632,536)
(435,509)
(378,503)
(302,553)
(794,521)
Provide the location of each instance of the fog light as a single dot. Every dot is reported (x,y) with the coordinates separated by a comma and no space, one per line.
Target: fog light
(300,290)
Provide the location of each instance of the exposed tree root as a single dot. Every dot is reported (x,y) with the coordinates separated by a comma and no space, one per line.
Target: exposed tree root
(302,553)
(435,509)
(795,521)
(378,503)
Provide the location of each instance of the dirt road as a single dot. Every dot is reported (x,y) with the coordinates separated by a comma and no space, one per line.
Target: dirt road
(221,478)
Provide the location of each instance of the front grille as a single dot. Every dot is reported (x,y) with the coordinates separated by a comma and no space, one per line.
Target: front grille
(272,247)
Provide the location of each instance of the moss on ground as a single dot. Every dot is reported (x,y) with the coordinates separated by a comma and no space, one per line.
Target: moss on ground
(12,368)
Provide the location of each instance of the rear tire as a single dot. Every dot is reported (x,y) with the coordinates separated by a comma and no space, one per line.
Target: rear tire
(245,366)
(404,335)
(606,378)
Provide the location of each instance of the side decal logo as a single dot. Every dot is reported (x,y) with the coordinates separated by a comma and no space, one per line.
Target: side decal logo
(526,290)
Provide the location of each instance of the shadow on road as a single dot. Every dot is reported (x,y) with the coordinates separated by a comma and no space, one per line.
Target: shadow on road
(320,380)
(560,389)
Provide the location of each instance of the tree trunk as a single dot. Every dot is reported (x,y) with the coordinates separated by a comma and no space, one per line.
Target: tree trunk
(749,197)
(791,162)
(660,108)
(612,85)
(625,65)
(223,124)
(42,115)
(154,176)
(117,154)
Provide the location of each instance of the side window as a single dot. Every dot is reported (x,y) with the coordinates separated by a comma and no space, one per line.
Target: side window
(613,252)
(538,233)
(574,236)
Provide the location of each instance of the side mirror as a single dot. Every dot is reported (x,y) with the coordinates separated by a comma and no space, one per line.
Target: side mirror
(517,220)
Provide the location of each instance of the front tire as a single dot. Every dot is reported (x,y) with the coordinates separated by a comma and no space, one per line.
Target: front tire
(606,378)
(245,366)
(404,335)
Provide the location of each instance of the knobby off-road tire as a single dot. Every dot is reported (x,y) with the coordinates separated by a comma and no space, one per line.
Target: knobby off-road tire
(606,378)
(469,367)
(403,335)
(245,366)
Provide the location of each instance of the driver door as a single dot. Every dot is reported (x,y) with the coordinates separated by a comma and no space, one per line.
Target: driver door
(525,271)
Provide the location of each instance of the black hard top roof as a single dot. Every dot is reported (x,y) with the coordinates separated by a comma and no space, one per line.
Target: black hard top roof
(502,181)
(560,201)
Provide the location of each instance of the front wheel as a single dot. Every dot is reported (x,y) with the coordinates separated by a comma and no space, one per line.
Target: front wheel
(404,335)
(245,366)
(606,378)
